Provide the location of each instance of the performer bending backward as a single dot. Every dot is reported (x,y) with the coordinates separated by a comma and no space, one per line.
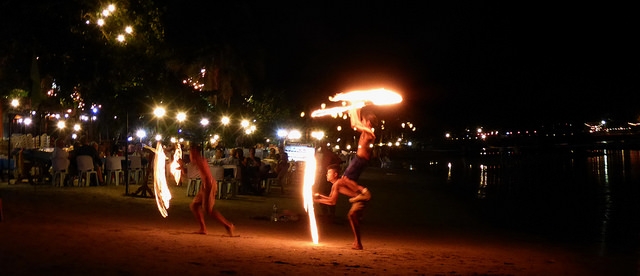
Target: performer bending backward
(358,196)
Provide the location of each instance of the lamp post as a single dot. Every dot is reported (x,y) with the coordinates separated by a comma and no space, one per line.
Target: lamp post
(92,118)
(159,113)
(204,122)
(12,109)
(225,120)
(180,117)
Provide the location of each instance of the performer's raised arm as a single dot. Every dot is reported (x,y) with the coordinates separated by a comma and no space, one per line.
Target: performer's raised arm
(356,121)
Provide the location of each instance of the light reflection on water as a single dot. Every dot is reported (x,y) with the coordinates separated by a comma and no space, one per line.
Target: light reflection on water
(577,194)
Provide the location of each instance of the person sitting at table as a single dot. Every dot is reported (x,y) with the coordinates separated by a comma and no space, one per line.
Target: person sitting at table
(87,149)
(60,157)
(232,159)
(251,172)
(282,169)
(73,164)
(272,154)
(218,155)
(252,160)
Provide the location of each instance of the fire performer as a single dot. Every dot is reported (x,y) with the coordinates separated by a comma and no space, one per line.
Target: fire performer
(205,200)
(358,196)
(363,120)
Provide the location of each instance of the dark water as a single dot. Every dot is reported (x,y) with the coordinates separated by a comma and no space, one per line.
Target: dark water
(567,194)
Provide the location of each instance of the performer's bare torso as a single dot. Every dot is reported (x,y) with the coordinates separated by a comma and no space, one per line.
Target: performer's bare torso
(363,145)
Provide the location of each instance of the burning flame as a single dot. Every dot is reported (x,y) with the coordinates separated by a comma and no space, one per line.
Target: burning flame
(175,166)
(358,99)
(335,110)
(163,195)
(307,194)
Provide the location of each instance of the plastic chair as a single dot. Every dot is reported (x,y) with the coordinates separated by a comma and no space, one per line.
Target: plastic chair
(194,180)
(85,170)
(60,168)
(194,186)
(270,182)
(113,170)
(232,181)
(135,168)
(224,187)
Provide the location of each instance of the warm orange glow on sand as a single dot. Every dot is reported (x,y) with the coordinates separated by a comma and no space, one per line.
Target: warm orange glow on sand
(175,167)
(163,195)
(358,98)
(307,194)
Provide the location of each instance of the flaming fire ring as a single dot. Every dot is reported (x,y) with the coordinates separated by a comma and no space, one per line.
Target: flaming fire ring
(358,99)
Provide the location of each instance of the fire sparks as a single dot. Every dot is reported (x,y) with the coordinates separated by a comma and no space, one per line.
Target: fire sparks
(163,195)
(307,194)
(175,166)
(358,98)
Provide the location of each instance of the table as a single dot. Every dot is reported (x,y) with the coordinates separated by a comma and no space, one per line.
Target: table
(7,166)
(271,162)
(36,159)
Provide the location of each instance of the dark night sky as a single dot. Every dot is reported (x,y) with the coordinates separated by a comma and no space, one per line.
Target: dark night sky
(456,64)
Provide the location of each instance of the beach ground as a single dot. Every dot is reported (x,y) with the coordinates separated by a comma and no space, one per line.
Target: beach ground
(102,231)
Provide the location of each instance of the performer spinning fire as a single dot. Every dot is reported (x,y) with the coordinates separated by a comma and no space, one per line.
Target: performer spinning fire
(363,120)
(358,196)
(205,199)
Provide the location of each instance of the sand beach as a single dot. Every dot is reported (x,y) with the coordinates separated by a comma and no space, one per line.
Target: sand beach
(410,228)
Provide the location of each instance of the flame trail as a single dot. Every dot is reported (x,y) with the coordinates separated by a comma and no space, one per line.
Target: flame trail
(358,98)
(175,166)
(307,194)
(335,110)
(163,195)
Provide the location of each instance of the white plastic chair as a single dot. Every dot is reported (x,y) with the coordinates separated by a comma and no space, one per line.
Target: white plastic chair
(194,180)
(113,169)
(85,170)
(224,186)
(135,168)
(232,182)
(60,168)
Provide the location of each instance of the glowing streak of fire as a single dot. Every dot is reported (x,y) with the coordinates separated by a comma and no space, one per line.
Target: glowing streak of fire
(163,195)
(335,110)
(358,98)
(175,167)
(307,194)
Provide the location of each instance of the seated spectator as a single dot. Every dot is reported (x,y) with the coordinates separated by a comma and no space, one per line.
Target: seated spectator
(232,159)
(59,155)
(282,170)
(218,155)
(60,159)
(272,154)
(87,149)
(73,164)
(251,172)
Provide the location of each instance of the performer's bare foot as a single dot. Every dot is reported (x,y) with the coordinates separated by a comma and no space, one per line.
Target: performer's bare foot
(201,232)
(230,229)
(356,246)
